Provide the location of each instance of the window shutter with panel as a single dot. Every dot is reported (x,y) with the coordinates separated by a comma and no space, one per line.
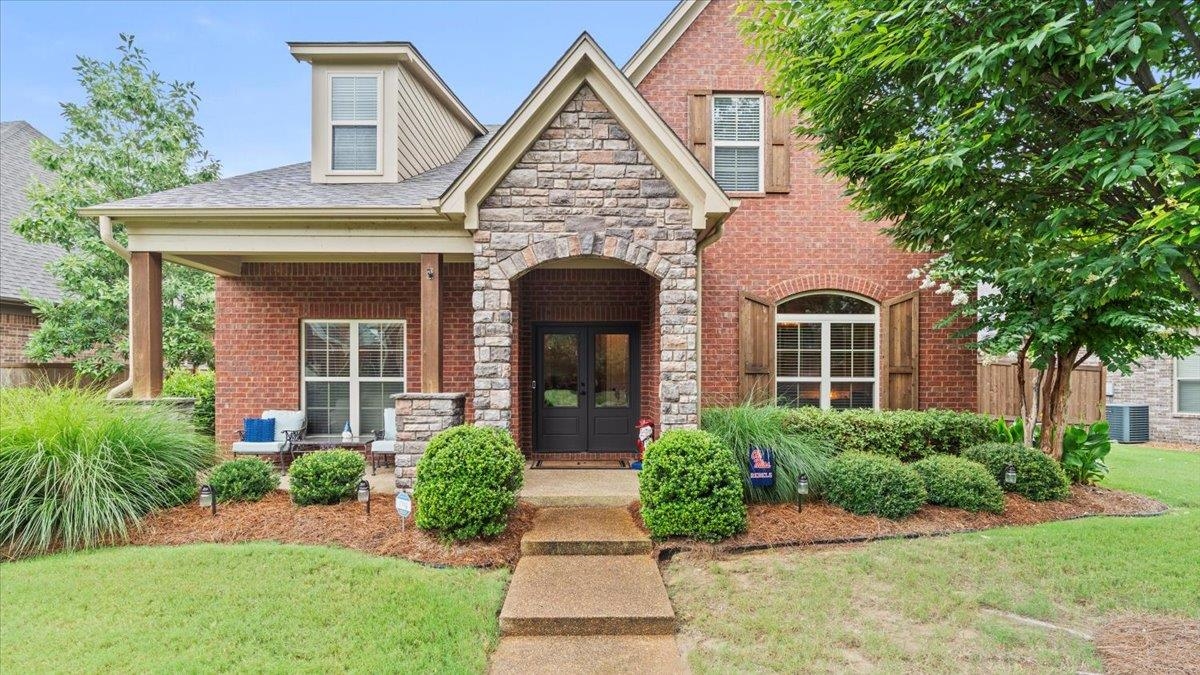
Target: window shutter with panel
(900,352)
(756,349)
(778,162)
(700,127)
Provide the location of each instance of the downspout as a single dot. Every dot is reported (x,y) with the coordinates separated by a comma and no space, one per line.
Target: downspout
(106,235)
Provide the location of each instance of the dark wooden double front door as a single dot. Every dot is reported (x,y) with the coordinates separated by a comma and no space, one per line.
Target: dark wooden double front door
(585,387)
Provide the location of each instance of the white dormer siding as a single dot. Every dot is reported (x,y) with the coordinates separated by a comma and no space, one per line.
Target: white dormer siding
(380,113)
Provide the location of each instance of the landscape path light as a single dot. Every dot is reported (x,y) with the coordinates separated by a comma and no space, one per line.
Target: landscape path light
(1010,475)
(364,494)
(208,498)
(801,490)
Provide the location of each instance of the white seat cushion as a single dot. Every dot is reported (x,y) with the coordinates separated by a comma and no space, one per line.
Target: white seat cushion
(384,447)
(249,448)
(285,420)
(389,424)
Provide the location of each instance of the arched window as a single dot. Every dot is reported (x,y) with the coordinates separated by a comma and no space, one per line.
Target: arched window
(825,351)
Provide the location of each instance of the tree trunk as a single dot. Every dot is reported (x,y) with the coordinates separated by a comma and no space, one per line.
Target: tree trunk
(1056,387)
(1028,413)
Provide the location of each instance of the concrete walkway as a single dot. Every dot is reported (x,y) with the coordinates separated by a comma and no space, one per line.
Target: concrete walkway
(586,596)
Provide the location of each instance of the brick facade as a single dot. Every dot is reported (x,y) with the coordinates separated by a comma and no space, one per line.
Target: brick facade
(585,189)
(17,324)
(259,318)
(814,239)
(1153,384)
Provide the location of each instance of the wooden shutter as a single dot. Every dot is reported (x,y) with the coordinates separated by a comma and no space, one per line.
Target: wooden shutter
(700,127)
(756,349)
(900,352)
(777,163)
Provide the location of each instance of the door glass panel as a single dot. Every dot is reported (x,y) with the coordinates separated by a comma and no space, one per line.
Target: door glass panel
(612,370)
(560,366)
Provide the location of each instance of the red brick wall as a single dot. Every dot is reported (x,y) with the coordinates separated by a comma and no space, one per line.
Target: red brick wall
(258,327)
(583,295)
(778,245)
(17,323)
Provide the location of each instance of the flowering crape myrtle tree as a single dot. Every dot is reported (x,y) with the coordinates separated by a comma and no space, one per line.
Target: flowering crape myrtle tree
(1048,150)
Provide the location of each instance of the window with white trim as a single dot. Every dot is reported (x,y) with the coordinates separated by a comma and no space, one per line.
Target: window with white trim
(825,351)
(737,139)
(351,370)
(1187,383)
(354,122)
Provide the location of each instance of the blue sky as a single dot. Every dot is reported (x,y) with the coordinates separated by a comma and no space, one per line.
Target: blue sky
(254,97)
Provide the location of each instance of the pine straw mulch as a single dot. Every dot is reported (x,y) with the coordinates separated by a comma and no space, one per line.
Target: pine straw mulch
(275,518)
(1150,644)
(772,525)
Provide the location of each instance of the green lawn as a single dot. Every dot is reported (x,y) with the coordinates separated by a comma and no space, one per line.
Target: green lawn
(920,605)
(244,608)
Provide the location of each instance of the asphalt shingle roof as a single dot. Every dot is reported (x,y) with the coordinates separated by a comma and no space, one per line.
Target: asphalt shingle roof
(22,264)
(292,187)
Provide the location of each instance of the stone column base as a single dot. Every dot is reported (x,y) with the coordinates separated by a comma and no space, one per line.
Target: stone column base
(419,417)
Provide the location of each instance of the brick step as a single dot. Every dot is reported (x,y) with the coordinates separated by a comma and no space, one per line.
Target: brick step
(584,531)
(587,595)
(560,655)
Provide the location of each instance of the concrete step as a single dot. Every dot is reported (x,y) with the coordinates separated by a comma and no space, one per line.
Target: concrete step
(589,654)
(547,488)
(584,531)
(587,595)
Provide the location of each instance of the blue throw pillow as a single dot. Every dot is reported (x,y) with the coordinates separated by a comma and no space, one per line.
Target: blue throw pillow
(257,430)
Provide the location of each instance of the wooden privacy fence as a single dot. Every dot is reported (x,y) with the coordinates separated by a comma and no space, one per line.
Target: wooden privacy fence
(998,394)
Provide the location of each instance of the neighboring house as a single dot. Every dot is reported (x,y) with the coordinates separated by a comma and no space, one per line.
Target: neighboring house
(23,272)
(630,243)
(1171,389)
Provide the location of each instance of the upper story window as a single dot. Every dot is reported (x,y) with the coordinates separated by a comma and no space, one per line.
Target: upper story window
(737,140)
(354,120)
(1187,383)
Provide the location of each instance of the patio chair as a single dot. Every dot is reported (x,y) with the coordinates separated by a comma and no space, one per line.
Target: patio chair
(289,427)
(385,441)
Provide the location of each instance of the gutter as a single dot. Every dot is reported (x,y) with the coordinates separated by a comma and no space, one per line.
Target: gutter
(106,235)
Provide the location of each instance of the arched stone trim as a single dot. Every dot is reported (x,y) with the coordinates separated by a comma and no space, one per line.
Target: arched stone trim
(593,244)
(825,282)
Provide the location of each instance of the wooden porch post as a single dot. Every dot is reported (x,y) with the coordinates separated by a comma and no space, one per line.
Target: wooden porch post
(146,305)
(431,322)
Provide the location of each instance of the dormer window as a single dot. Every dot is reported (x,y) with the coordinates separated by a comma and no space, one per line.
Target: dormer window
(355,124)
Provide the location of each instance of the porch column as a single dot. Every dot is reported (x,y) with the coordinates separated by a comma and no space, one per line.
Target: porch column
(431,323)
(145,306)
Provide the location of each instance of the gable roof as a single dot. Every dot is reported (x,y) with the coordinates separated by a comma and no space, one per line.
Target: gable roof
(586,63)
(402,52)
(22,264)
(662,39)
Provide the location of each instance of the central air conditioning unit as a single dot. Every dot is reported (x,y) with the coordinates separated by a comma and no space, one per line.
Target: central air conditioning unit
(1128,423)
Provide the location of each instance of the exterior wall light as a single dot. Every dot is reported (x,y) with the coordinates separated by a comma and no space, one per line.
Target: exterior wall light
(208,498)
(364,494)
(1010,475)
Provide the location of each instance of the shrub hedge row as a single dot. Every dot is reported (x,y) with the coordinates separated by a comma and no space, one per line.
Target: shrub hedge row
(907,435)
(868,484)
(960,483)
(1039,477)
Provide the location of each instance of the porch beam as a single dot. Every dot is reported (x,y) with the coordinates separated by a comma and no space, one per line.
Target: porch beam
(145,306)
(431,322)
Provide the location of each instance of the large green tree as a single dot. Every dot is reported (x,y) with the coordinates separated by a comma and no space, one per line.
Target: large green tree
(1048,149)
(133,133)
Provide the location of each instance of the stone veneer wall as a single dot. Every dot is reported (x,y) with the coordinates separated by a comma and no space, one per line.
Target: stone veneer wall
(418,418)
(585,189)
(1153,384)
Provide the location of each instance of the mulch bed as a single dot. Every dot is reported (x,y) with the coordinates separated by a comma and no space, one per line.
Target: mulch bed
(275,518)
(1150,644)
(772,525)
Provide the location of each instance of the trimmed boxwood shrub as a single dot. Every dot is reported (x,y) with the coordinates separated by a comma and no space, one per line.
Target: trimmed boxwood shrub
(325,477)
(869,484)
(467,482)
(691,486)
(961,483)
(243,480)
(907,435)
(1039,477)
